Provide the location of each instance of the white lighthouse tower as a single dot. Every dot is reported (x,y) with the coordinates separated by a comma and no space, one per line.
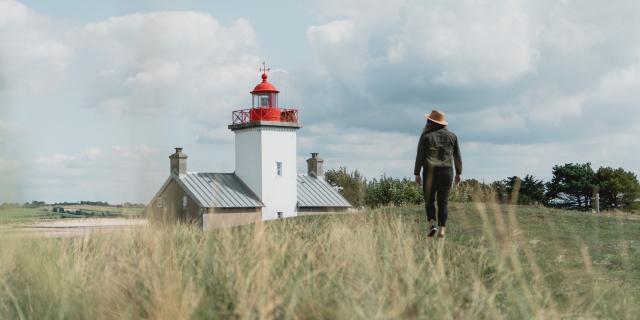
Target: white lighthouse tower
(265,141)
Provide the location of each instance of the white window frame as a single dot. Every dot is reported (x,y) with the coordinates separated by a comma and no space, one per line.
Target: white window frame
(185,201)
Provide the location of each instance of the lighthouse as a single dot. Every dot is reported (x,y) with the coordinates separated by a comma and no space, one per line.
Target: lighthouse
(265,150)
(265,185)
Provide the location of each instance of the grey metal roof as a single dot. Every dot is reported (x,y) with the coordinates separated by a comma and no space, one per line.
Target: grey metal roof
(219,190)
(314,192)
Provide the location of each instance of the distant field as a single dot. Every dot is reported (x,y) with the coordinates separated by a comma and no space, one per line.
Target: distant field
(23,215)
(496,262)
(125,211)
(27,215)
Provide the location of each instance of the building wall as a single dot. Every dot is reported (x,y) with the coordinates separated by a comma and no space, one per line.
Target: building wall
(167,206)
(248,149)
(258,150)
(279,193)
(222,218)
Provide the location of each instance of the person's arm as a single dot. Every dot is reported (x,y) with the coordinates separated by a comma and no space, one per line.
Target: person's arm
(420,155)
(457,160)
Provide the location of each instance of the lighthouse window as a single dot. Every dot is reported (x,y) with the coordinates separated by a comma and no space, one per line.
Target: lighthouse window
(264,101)
(279,168)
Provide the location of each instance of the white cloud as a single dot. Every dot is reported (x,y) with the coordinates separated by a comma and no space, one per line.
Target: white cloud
(622,86)
(33,55)
(370,151)
(493,45)
(11,182)
(608,149)
(7,130)
(333,32)
(57,163)
(11,135)
(93,153)
(466,42)
(340,54)
(554,110)
(183,68)
(219,134)
(6,165)
(117,173)
(137,152)
(186,62)
(498,119)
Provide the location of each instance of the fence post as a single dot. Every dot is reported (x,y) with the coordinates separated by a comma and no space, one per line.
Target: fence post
(596,202)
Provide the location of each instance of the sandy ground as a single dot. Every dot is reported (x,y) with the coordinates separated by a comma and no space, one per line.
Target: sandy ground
(70,227)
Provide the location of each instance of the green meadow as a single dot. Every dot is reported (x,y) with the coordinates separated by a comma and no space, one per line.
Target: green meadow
(497,261)
(23,215)
(20,215)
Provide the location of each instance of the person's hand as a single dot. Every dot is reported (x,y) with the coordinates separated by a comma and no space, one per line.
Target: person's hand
(418,179)
(458,179)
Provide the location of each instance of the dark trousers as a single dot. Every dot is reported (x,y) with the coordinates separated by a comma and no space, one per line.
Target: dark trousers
(436,184)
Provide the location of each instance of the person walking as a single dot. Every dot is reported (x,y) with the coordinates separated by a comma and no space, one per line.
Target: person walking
(438,153)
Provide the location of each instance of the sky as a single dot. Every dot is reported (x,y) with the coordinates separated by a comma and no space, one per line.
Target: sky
(94,96)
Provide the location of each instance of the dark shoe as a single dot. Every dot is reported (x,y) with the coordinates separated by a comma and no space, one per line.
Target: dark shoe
(432,232)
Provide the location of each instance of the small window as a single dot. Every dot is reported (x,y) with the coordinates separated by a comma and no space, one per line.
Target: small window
(279,215)
(264,101)
(185,201)
(279,168)
(160,202)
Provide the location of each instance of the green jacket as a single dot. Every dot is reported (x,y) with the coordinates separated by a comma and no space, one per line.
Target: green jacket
(438,148)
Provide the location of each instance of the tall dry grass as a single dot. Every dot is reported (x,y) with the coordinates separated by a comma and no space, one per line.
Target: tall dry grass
(371,265)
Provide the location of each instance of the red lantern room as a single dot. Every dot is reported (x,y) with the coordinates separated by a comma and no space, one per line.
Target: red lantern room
(264,105)
(265,94)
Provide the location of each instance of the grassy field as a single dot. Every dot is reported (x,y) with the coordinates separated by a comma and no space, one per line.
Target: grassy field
(496,262)
(127,212)
(20,215)
(23,215)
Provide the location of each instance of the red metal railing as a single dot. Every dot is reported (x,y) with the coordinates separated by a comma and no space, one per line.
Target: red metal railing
(245,116)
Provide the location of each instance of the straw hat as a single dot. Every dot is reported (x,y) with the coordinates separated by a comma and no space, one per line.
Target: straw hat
(437,117)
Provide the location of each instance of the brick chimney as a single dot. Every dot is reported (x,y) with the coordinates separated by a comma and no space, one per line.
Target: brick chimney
(315,166)
(178,163)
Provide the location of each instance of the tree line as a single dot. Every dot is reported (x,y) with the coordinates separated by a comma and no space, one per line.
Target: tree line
(572,186)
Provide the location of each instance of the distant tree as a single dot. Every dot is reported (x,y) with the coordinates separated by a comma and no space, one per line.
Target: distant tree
(618,188)
(473,189)
(532,191)
(476,191)
(34,204)
(502,190)
(462,192)
(351,185)
(10,205)
(388,190)
(528,190)
(572,186)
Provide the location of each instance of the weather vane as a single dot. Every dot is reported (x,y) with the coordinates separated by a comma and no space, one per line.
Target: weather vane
(264,68)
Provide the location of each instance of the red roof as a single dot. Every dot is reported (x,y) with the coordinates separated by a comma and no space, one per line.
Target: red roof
(264,86)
